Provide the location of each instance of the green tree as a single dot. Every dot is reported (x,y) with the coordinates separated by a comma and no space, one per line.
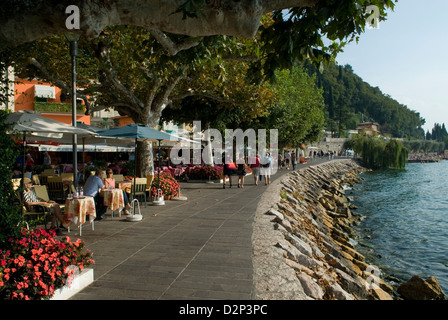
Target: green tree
(298,110)
(128,69)
(377,153)
(439,132)
(349,100)
(126,57)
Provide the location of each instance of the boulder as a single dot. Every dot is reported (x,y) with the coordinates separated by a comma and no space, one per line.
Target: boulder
(380,294)
(291,199)
(310,286)
(274,212)
(352,284)
(418,289)
(338,293)
(301,245)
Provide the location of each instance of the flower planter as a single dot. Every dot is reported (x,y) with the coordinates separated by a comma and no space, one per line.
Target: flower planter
(79,282)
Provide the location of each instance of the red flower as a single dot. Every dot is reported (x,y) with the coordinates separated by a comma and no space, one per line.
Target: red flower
(39,256)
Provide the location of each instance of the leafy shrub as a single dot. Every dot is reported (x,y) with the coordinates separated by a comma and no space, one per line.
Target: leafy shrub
(9,213)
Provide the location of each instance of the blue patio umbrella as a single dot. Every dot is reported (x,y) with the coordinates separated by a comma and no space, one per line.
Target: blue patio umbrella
(139,132)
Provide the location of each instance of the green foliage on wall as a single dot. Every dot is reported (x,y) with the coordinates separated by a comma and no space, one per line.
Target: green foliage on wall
(57,107)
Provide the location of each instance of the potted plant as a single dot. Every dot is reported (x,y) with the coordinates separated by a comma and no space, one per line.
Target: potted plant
(35,263)
(168,185)
(206,173)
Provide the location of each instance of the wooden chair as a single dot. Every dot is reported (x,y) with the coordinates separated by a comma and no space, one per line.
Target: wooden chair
(140,190)
(67,176)
(48,172)
(118,177)
(42,192)
(36,179)
(149,179)
(56,189)
(29,214)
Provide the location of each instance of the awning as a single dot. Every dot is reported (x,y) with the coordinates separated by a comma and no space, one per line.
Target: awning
(86,148)
(44,92)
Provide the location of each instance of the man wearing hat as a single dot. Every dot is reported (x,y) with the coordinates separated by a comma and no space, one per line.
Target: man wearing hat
(40,205)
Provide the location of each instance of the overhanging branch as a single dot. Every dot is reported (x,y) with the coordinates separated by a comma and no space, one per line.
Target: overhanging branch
(172,47)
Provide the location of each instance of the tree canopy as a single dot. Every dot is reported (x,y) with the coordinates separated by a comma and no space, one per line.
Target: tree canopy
(379,153)
(298,30)
(298,109)
(137,56)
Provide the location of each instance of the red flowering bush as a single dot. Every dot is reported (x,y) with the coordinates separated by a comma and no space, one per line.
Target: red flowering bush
(168,185)
(36,264)
(203,173)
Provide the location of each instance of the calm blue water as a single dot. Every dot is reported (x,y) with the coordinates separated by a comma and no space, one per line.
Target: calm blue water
(404,230)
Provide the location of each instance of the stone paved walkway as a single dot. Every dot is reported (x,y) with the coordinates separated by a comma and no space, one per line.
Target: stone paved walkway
(196,249)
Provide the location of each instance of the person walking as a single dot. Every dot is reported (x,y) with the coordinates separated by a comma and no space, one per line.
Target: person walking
(241,171)
(287,159)
(229,170)
(280,161)
(255,166)
(266,169)
(294,160)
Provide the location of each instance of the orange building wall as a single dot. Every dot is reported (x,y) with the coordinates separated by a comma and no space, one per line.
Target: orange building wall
(124,121)
(24,100)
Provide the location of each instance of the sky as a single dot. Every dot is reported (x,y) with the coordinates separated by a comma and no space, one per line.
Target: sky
(407,57)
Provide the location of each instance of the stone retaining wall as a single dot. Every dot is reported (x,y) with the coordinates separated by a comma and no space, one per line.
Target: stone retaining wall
(301,240)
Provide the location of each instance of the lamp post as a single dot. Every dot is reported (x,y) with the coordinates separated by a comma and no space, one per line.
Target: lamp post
(73,40)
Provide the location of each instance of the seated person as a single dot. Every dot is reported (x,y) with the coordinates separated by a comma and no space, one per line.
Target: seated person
(91,188)
(37,204)
(109,182)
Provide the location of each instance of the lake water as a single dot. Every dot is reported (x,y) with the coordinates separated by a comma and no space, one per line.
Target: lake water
(404,230)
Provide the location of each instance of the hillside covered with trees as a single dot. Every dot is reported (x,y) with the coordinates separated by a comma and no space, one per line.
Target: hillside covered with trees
(349,100)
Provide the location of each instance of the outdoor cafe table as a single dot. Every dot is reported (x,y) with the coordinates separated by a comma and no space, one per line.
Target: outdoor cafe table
(113,199)
(76,210)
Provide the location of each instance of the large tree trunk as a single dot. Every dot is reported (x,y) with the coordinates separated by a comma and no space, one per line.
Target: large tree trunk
(225,17)
(145,158)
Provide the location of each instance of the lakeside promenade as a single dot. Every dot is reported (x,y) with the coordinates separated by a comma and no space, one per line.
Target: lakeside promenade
(197,249)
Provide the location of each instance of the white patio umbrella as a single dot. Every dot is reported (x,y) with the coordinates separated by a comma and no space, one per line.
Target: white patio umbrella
(32,124)
(29,122)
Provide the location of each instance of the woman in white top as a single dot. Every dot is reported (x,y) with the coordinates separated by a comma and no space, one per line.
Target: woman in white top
(266,168)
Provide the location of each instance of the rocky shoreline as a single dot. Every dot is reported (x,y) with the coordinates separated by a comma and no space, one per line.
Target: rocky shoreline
(302,246)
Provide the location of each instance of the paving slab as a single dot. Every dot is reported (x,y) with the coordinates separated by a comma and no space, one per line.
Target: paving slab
(197,249)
